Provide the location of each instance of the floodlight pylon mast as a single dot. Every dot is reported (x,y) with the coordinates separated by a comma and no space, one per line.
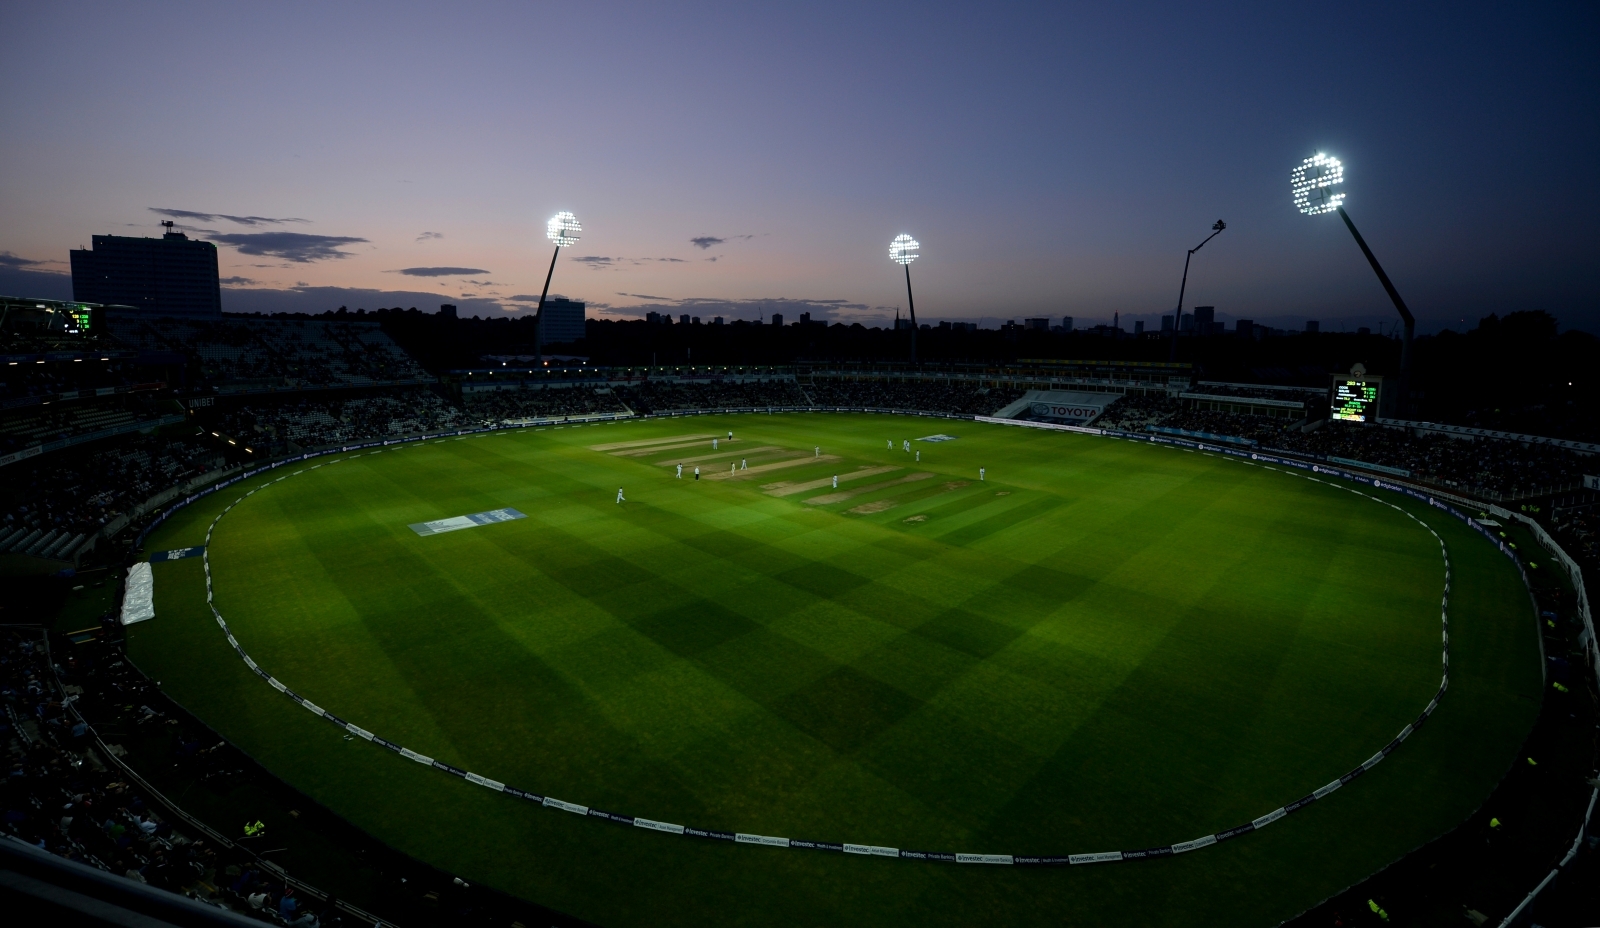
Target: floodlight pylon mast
(1177,317)
(538,316)
(1403,400)
(903,250)
(912,304)
(563,229)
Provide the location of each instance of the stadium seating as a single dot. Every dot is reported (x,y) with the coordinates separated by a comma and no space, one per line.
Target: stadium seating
(253,354)
(496,406)
(967,398)
(317,420)
(1485,467)
(54,504)
(64,795)
(652,396)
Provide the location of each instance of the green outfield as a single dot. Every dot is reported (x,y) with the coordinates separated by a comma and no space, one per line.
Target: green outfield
(1103,645)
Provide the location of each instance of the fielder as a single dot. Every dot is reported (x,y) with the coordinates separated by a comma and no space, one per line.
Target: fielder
(836,481)
(619,496)
(680,471)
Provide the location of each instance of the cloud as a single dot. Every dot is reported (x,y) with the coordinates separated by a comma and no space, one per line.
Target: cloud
(291,246)
(712,260)
(427,236)
(33,280)
(437,271)
(706,241)
(598,262)
(13,262)
(213,217)
(646,296)
(237,281)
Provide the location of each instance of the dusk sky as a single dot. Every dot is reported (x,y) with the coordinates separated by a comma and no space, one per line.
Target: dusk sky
(1052,159)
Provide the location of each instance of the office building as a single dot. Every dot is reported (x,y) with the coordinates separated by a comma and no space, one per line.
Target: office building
(167,276)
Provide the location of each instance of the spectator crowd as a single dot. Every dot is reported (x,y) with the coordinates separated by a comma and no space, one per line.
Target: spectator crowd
(62,794)
(32,380)
(302,422)
(1481,466)
(244,352)
(965,398)
(493,407)
(53,503)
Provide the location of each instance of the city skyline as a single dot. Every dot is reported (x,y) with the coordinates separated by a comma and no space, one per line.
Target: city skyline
(730,161)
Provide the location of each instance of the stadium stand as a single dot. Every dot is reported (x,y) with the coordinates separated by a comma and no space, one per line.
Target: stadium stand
(66,794)
(315,421)
(1491,468)
(253,354)
(965,398)
(652,396)
(492,407)
(24,381)
(55,505)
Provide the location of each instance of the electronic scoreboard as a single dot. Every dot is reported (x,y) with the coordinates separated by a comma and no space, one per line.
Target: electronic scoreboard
(1355,398)
(51,317)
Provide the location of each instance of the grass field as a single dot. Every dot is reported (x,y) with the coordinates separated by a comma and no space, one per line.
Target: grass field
(1104,645)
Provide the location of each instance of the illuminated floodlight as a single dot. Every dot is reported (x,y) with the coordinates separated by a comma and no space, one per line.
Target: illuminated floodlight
(563,229)
(1313,182)
(903,250)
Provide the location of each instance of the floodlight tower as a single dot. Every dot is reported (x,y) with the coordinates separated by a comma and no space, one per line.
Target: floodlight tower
(1177,317)
(563,229)
(1313,182)
(903,251)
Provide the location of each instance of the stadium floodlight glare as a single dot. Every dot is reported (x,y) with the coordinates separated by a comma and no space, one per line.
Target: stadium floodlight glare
(902,251)
(1177,317)
(563,229)
(1312,183)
